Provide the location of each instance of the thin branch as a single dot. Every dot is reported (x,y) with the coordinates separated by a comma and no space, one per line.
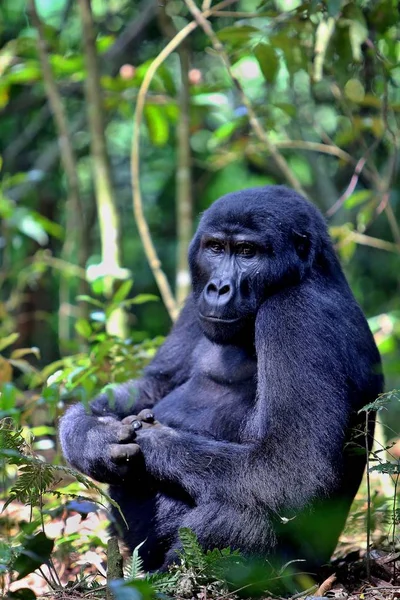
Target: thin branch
(255,124)
(315,147)
(184,196)
(143,228)
(367,240)
(350,188)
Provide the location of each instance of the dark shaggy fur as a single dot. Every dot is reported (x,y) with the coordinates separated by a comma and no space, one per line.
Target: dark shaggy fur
(256,389)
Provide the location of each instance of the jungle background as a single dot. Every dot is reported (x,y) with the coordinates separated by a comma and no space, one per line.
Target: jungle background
(120,123)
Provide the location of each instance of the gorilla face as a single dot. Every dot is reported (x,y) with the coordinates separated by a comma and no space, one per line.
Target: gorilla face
(229,291)
(244,251)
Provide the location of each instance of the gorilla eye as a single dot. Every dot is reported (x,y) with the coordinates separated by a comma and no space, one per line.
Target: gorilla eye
(215,246)
(246,249)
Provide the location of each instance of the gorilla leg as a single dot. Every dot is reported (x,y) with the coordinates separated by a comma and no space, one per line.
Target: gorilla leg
(218,525)
(153,521)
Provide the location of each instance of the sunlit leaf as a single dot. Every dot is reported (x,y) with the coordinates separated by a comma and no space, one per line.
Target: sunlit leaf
(142,298)
(8,341)
(157,124)
(82,326)
(357,198)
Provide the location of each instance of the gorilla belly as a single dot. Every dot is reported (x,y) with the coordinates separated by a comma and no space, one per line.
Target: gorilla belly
(223,382)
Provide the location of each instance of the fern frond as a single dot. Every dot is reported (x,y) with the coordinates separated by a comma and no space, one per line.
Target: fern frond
(134,569)
(192,553)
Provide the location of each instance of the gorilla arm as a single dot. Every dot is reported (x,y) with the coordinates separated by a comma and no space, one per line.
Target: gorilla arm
(293,439)
(89,435)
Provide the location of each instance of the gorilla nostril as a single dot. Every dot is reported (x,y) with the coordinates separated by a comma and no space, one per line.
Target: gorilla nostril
(224,290)
(212,288)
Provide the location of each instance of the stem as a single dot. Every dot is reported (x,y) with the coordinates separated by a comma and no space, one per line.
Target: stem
(109,221)
(368,566)
(184,200)
(142,225)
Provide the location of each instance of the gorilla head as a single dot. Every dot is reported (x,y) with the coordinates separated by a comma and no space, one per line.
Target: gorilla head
(248,246)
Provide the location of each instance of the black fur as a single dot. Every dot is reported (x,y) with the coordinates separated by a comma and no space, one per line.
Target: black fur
(256,389)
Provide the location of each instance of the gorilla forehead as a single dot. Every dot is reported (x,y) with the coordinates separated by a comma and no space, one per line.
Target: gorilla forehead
(257,209)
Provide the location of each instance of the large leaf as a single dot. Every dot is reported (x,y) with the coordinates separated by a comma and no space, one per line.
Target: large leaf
(268,61)
(36,551)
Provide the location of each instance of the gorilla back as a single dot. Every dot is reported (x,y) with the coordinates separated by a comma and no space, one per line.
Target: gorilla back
(255,393)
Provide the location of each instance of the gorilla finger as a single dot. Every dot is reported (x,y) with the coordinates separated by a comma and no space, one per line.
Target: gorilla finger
(146,415)
(129,420)
(125,453)
(126,433)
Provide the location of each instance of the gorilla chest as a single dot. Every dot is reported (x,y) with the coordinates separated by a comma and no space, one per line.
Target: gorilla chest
(217,397)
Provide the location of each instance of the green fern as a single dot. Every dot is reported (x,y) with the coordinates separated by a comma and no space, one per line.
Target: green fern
(163,583)
(35,477)
(134,569)
(192,554)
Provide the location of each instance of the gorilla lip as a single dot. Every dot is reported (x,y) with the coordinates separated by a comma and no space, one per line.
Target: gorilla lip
(219,320)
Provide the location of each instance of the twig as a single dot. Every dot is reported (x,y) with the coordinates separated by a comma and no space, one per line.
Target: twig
(315,147)
(368,564)
(367,240)
(143,228)
(253,119)
(350,188)
(184,196)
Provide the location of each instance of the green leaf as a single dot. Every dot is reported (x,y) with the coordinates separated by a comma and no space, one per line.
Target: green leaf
(387,468)
(122,292)
(36,551)
(268,61)
(8,341)
(27,223)
(157,124)
(357,198)
(239,34)
(142,298)
(82,326)
(8,396)
(90,300)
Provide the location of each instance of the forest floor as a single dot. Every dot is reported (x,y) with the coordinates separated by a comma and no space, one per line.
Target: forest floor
(79,560)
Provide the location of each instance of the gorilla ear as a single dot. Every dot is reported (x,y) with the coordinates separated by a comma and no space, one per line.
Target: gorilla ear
(302,244)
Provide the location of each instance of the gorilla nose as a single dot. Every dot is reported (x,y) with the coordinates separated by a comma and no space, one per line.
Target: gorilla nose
(218,292)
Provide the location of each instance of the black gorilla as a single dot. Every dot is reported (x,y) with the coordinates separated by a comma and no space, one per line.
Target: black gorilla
(255,391)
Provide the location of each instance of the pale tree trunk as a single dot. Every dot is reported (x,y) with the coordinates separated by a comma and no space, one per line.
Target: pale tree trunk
(184,201)
(109,221)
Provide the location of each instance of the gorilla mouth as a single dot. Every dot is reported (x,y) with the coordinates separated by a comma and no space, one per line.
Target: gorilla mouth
(214,319)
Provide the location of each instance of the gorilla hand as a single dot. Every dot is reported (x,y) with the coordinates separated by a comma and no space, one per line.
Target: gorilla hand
(125,451)
(104,447)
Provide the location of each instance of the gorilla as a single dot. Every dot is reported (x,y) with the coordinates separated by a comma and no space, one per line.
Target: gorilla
(242,427)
